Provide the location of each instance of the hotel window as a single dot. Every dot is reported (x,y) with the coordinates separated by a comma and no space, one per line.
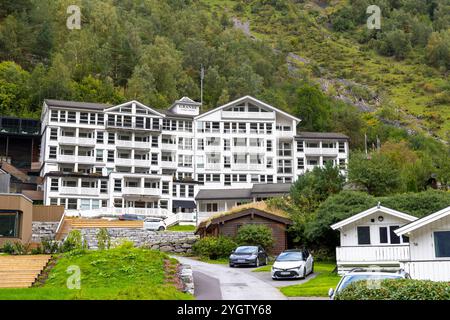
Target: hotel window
(99,155)
(174,190)
(226,162)
(201,178)
(284,149)
(300,163)
(269,145)
(173,125)
(226,127)
(71,117)
(110,156)
(182,191)
(216,177)
(253,128)
(269,163)
(118,203)
(255,142)
(100,137)
(53,201)
(85,204)
(165,187)
(262,178)
(256,159)
(54,115)
(52,152)
(85,134)
(100,119)
(312,144)
(155,124)
(312,162)
(95,204)
(154,141)
(127,121)
(252,108)
(284,166)
(328,145)
(85,152)
(226,144)
(84,117)
(54,184)
(215,127)
(53,134)
(163,204)
(213,141)
(211,207)
(341,147)
(117,185)
(92,118)
(200,144)
(269,179)
(166,124)
(300,146)
(261,128)
(111,138)
(242,127)
(254,178)
(72,204)
(268,128)
(227,180)
(154,159)
(62,116)
(200,162)
(240,142)
(140,122)
(190,191)
(103,186)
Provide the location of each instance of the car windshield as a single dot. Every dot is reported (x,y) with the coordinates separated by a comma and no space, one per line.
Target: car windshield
(246,250)
(290,256)
(361,277)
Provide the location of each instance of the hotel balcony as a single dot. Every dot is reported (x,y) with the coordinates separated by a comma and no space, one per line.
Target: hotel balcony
(248,115)
(78,159)
(247,167)
(239,149)
(169,147)
(256,149)
(284,134)
(79,191)
(85,159)
(321,151)
(141,163)
(76,141)
(124,162)
(169,164)
(138,191)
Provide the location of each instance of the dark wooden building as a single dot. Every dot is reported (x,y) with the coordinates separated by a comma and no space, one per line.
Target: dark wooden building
(228,223)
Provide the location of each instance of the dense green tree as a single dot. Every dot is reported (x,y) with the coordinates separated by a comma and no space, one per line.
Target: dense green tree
(312,106)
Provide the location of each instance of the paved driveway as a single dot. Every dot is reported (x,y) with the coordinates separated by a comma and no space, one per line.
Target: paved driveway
(216,281)
(265,276)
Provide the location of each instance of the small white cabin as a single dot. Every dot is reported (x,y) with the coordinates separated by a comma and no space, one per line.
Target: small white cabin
(368,239)
(429,247)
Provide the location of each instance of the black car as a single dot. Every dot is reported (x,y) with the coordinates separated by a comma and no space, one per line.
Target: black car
(248,256)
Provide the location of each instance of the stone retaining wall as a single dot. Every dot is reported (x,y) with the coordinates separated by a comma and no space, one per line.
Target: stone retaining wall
(43,230)
(166,241)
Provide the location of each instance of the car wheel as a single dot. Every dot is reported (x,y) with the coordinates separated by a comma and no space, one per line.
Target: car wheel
(231,265)
(257,262)
(161,228)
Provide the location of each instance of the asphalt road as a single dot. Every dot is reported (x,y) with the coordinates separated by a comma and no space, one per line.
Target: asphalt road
(220,282)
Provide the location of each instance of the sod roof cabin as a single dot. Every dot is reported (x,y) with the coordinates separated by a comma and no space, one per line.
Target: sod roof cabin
(227,223)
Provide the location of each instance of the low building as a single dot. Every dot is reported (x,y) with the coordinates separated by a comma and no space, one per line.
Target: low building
(429,246)
(212,201)
(368,239)
(16,214)
(228,223)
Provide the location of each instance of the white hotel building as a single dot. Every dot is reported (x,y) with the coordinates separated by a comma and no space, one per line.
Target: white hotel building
(100,159)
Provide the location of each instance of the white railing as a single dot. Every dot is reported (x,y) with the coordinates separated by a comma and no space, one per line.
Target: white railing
(69,190)
(124,161)
(185,217)
(68,158)
(284,134)
(169,164)
(142,163)
(213,166)
(321,151)
(80,191)
(248,115)
(85,159)
(69,140)
(256,149)
(89,191)
(86,141)
(141,191)
(372,254)
(169,147)
(247,167)
(438,270)
(239,149)
(124,143)
(141,144)
(115,212)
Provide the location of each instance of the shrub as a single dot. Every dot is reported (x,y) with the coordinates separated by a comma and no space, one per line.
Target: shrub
(214,247)
(50,246)
(404,289)
(8,247)
(103,239)
(74,241)
(255,235)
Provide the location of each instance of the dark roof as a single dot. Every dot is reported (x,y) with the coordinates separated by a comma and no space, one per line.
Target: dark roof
(186,204)
(264,189)
(76,104)
(220,194)
(321,135)
(271,188)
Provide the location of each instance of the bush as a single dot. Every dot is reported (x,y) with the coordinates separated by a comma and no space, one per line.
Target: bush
(103,239)
(255,235)
(214,247)
(74,241)
(17,248)
(50,246)
(404,289)
(8,247)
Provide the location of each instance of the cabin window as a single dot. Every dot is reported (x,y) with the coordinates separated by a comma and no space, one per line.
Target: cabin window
(383,235)
(363,235)
(394,238)
(442,244)
(9,225)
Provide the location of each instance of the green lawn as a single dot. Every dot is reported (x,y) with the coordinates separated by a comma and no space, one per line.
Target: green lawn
(181,228)
(316,287)
(266,268)
(120,273)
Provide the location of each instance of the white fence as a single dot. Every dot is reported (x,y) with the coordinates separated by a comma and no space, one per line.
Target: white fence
(372,254)
(428,270)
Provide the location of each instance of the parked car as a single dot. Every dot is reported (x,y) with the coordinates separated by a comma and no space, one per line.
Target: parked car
(360,274)
(154,224)
(131,217)
(248,256)
(292,264)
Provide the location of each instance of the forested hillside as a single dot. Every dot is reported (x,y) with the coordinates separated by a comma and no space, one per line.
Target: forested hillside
(315,59)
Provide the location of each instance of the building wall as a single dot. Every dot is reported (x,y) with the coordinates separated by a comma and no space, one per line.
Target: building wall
(422,240)
(20,203)
(349,235)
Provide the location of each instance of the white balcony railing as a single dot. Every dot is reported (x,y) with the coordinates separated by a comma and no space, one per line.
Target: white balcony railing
(169,164)
(321,151)
(89,191)
(284,134)
(438,270)
(124,161)
(248,115)
(213,166)
(85,159)
(256,149)
(124,143)
(247,167)
(86,141)
(68,190)
(372,254)
(142,163)
(68,140)
(80,191)
(169,147)
(239,149)
(141,191)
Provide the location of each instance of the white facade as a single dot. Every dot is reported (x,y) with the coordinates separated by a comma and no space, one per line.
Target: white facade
(429,247)
(132,158)
(369,239)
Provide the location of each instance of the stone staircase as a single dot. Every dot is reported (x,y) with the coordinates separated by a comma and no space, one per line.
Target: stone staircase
(21,271)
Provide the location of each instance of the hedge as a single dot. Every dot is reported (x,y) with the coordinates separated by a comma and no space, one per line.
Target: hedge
(214,247)
(392,289)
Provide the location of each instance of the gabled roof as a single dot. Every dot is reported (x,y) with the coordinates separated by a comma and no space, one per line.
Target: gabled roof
(76,104)
(368,212)
(137,104)
(419,223)
(252,99)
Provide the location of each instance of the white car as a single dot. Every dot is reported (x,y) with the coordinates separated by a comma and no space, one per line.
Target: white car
(293,264)
(154,224)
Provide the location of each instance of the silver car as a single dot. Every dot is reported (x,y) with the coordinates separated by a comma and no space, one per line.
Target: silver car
(360,274)
(292,264)
(154,224)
